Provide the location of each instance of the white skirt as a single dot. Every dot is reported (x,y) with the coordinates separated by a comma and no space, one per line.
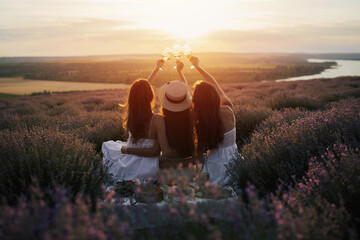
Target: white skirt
(216,164)
(126,166)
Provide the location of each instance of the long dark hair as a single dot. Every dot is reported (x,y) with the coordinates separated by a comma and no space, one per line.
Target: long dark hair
(207,120)
(140,107)
(180,131)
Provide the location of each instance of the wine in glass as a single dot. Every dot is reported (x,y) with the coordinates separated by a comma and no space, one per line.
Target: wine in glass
(188,53)
(178,52)
(166,55)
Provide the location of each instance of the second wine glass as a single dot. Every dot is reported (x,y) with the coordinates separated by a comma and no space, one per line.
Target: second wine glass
(166,55)
(178,52)
(188,53)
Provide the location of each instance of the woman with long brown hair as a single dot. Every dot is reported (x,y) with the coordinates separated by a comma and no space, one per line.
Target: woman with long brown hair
(146,133)
(214,122)
(175,100)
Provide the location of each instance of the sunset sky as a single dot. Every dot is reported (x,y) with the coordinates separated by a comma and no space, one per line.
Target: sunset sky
(87,27)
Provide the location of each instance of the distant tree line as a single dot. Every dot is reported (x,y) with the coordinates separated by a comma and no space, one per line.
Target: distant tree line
(127,72)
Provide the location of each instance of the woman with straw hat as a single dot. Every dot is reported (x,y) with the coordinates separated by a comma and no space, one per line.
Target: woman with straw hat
(175,100)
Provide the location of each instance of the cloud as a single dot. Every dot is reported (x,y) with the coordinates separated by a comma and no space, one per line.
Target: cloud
(299,38)
(100,36)
(82,37)
(74,29)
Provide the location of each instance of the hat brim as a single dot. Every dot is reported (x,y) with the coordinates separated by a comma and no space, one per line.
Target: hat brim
(174,107)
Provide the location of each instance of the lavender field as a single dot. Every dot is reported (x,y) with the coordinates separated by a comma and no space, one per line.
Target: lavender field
(299,177)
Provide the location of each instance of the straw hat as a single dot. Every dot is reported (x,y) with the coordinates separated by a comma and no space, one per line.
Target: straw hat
(175,96)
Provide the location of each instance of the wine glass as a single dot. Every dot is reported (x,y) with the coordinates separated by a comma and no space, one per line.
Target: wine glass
(166,55)
(188,53)
(178,52)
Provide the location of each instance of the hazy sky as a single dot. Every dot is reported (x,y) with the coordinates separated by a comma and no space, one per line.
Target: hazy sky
(86,27)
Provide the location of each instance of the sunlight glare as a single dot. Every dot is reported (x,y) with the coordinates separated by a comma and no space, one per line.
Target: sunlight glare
(184,20)
(186,30)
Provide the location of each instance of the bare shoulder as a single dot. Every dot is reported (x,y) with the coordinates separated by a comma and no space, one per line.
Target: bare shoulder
(226,112)
(227,118)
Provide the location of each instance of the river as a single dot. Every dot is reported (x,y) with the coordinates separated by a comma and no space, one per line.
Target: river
(343,68)
(25,86)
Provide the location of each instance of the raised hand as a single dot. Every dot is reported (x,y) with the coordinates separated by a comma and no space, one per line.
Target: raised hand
(194,61)
(179,68)
(159,63)
(179,65)
(210,79)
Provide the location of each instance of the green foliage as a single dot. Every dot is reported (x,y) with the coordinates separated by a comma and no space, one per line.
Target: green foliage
(283,152)
(41,93)
(7,95)
(335,177)
(285,132)
(247,119)
(57,140)
(54,158)
(227,69)
(316,220)
(282,100)
(327,198)
(32,218)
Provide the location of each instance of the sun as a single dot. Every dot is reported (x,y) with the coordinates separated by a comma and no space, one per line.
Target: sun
(185,31)
(186,19)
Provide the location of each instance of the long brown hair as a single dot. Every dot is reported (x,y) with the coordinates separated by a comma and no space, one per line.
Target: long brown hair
(180,131)
(207,120)
(140,107)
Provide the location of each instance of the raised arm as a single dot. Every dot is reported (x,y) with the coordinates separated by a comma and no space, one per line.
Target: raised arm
(210,79)
(179,68)
(158,65)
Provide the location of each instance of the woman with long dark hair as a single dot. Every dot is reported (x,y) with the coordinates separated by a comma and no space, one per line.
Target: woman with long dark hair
(146,133)
(214,122)
(179,131)
(175,100)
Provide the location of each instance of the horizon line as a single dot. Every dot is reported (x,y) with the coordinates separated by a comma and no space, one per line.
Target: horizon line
(135,54)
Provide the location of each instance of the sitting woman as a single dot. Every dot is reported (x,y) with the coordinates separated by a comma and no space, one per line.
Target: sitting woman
(175,99)
(214,122)
(146,133)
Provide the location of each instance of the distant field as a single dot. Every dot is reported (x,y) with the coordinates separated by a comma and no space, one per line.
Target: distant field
(24,86)
(7,95)
(225,67)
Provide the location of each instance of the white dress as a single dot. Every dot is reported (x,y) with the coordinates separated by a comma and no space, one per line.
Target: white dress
(127,166)
(219,157)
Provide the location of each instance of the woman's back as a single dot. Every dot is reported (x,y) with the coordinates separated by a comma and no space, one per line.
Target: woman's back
(219,157)
(179,132)
(214,114)
(228,124)
(126,166)
(227,118)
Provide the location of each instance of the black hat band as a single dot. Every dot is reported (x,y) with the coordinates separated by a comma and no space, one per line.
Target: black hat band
(175,101)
